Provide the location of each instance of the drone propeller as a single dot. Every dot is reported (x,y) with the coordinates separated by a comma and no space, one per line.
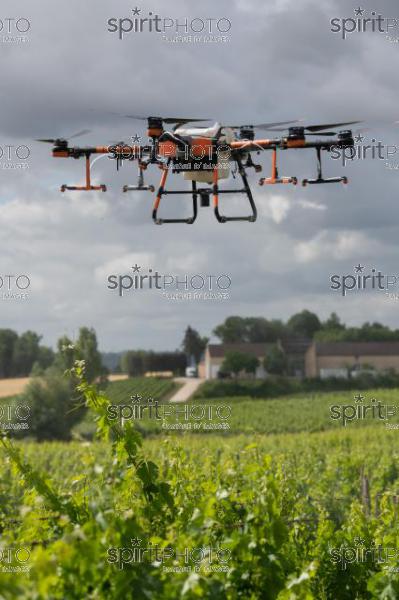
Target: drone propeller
(316,129)
(168,120)
(63,139)
(261,125)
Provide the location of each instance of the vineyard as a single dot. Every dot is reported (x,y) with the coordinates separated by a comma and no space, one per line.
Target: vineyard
(304,508)
(145,387)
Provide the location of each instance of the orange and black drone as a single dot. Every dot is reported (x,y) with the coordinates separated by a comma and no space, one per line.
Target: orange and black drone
(206,155)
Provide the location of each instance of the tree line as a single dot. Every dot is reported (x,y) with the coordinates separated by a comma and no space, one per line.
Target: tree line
(20,353)
(304,324)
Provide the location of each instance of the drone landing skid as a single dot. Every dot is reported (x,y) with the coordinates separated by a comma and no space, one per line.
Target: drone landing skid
(245,190)
(274,178)
(204,194)
(87,187)
(320,179)
(162,192)
(342,179)
(140,187)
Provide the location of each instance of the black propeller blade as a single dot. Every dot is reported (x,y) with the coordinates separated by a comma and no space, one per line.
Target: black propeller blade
(168,120)
(63,139)
(262,125)
(316,129)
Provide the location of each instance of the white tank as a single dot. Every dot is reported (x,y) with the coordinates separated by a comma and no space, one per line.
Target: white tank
(227,136)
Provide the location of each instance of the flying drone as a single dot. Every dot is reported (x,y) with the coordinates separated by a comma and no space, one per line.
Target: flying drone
(206,155)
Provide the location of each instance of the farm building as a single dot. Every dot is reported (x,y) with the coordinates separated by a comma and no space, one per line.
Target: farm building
(309,359)
(294,348)
(336,359)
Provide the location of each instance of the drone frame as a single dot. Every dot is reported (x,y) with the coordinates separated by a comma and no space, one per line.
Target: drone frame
(239,149)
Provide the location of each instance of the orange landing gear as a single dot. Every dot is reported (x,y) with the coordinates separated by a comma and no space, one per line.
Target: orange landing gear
(88,185)
(274,179)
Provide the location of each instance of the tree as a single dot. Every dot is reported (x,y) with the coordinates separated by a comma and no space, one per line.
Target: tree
(132,363)
(65,354)
(26,352)
(275,362)
(232,330)
(235,362)
(138,362)
(260,330)
(8,339)
(54,408)
(85,348)
(251,365)
(333,323)
(250,330)
(368,332)
(304,323)
(193,345)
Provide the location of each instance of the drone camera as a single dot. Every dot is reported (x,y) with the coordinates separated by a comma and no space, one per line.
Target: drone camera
(204,199)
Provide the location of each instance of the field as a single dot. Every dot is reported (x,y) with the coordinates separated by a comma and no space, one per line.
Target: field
(286,504)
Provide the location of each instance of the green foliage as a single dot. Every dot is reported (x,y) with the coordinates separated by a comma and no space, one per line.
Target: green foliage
(249,329)
(19,354)
(146,387)
(368,332)
(280,505)
(304,323)
(236,362)
(275,386)
(54,408)
(276,361)
(85,348)
(8,339)
(193,345)
(139,362)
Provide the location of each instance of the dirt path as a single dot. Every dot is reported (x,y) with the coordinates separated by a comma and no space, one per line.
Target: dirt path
(190,385)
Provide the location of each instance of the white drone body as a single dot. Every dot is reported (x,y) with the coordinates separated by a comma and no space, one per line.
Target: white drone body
(225,135)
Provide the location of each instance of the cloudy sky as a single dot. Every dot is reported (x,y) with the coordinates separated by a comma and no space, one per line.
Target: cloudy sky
(281,62)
